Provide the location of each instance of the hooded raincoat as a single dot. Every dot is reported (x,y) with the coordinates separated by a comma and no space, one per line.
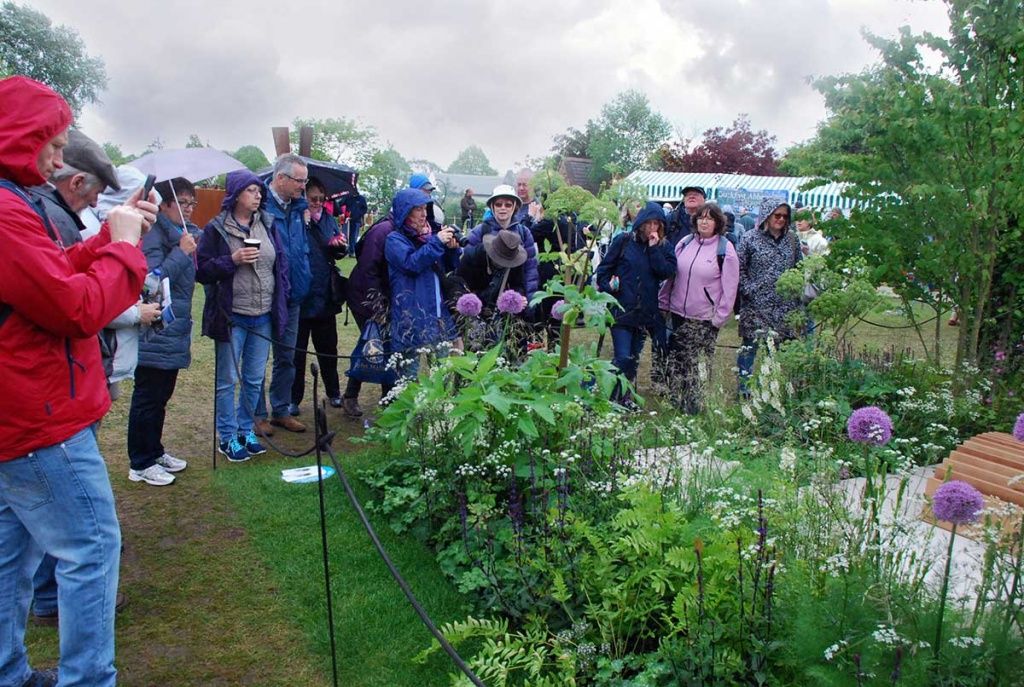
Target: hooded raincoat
(763,258)
(419,316)
(52,385)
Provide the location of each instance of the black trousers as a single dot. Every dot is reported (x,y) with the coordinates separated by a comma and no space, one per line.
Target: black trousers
(324,331)
(153,389)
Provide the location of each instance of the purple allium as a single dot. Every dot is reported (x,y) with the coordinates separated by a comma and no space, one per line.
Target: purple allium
(869,425)
(558,309)
(511,302)
(957,502)
(1018,428)
(469,305)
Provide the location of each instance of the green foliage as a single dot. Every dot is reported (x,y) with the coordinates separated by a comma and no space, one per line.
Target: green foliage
(195,142)
(472,160)
(936,152)
(843,294)
(386,173)
(625,135)
(567,200)
(55,55)
(546,182)
(252,157)
(339,139)
(116,155)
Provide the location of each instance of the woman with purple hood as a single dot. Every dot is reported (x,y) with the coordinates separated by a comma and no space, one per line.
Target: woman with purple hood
(417,259)
(241,261)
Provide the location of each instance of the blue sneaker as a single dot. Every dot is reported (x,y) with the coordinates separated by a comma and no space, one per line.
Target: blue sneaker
(234,451)
(252,443)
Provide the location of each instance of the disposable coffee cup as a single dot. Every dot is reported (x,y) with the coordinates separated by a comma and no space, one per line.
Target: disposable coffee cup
(252,243)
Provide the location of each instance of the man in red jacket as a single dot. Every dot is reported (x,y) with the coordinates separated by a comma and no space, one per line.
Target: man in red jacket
(55,495)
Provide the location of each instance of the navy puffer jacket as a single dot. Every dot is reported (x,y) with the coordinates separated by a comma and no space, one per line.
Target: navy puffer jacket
(170,347)
(640,268)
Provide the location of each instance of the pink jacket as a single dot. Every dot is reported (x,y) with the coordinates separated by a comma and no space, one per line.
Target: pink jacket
(699,291)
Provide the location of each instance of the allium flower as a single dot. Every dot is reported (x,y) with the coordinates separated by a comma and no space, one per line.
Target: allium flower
(869,425)
(558,309)
(1018,428)
(469,305)
(957,502)
(511,302)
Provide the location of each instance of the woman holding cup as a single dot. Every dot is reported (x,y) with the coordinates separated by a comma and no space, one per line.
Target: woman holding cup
(241,261)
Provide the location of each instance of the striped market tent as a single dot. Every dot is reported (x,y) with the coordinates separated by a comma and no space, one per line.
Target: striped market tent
(668,187)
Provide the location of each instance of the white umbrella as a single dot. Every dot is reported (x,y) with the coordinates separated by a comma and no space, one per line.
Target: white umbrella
(194,164)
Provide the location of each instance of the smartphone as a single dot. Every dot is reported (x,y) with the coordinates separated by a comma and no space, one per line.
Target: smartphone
(148,186)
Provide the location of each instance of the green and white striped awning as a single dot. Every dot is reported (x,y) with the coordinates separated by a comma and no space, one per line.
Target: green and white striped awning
(668,187)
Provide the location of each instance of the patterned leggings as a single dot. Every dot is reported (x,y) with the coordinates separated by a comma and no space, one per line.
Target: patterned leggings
(691,353)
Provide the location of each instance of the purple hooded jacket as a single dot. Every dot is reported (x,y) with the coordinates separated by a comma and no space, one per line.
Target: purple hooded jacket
(216,269)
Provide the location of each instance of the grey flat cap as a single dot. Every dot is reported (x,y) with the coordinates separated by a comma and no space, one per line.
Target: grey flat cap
(86,155)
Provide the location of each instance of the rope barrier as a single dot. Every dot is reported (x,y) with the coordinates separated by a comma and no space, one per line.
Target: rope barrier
(322,444)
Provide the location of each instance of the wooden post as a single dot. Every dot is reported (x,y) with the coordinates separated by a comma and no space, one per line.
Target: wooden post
(305,141)
(281,143)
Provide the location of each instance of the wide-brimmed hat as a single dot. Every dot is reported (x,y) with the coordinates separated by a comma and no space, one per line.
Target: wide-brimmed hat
(504,191)
(505,248)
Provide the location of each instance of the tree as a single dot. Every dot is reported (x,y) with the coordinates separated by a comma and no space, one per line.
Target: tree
(733,150)
(625,136)
(472,160)
(195,142)
(116,155)
(573,143)
(386,173)
(252,157)
(339,140)
(935,153)
(55,55)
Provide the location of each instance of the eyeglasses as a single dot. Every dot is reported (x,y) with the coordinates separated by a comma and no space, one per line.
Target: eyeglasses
(504,203)
(188,204)
(780,215)
(315,199)
(297,180)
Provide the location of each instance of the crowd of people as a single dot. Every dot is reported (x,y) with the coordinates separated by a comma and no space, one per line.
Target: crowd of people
(98,285)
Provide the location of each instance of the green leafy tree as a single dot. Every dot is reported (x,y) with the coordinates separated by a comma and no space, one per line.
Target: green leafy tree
(31,45)
(195,142)
(625,136)
(472,160)
(116,155)
(934,150)
(252,157)
(387,172)
(339,139)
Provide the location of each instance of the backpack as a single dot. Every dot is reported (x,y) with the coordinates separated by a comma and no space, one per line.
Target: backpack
(37,205)
(719,254)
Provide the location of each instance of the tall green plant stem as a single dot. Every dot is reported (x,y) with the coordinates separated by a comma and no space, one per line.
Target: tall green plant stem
(937,647)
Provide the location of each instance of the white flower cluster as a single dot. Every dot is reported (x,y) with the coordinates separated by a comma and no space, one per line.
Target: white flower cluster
(787,460)
(490,466)
(831,651)
(836,565)
(888,636)
(965,642)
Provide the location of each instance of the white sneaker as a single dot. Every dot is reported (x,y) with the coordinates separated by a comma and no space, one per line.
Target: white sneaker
(170,463)
(154,474)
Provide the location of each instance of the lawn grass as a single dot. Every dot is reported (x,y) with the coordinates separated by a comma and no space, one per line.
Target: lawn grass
(223,569)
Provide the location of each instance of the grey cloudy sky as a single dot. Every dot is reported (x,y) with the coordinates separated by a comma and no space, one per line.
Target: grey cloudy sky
(433,78)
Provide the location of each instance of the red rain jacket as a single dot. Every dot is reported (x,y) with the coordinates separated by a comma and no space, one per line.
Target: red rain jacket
(52,383)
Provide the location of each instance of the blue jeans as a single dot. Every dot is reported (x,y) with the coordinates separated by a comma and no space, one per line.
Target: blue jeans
(745,362)
(58,500)
(251,350)
(44,585)
(628,344)
(283,372)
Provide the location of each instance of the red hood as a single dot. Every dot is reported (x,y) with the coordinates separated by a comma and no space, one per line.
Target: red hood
(31,114)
